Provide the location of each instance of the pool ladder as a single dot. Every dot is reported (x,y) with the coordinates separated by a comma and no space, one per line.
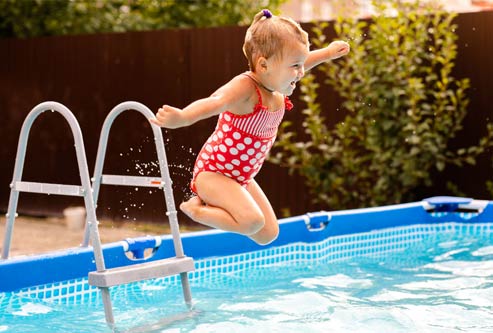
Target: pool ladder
(104,278)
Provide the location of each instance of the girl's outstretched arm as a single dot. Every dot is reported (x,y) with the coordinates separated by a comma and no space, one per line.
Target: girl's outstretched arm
(171,117)
(225,98)
(335,50)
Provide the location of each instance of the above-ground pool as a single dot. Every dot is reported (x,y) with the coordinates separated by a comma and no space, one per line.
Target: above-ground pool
(419,267)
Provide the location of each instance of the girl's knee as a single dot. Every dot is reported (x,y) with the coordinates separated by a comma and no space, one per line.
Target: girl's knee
(267,235)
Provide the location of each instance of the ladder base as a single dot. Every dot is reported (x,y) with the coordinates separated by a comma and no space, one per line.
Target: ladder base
(139,272)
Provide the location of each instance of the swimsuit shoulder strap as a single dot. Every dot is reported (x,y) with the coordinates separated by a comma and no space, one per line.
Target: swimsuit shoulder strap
(256,84)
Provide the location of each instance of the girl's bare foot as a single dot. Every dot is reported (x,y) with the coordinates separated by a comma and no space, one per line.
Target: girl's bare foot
(191,206)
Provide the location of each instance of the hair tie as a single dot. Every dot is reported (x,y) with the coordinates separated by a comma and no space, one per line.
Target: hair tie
(267,13)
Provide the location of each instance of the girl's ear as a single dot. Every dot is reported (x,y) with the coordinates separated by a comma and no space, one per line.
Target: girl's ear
(262,64)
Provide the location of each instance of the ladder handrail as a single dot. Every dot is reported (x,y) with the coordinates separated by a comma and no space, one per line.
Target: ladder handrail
(163,166)
(91,219)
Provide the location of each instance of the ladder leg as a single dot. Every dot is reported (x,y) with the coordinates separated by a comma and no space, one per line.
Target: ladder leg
(9,227)
(185,285)
(108,308)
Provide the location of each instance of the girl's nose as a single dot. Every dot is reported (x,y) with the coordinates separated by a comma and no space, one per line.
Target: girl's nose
(301,72)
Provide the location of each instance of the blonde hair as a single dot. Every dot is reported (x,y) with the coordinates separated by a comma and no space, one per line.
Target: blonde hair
(268,36)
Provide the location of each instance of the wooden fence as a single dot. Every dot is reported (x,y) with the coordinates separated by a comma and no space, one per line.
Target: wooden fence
(91,74)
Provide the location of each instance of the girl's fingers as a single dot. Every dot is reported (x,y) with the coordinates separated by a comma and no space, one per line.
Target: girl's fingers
(155,121)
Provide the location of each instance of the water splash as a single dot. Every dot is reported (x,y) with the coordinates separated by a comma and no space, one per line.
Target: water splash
(180,172)
(32,309)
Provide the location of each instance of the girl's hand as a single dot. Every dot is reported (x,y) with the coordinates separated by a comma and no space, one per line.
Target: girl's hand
(169,117)
(338,49)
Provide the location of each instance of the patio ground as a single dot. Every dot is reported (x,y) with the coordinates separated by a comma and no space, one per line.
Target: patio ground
(39,235)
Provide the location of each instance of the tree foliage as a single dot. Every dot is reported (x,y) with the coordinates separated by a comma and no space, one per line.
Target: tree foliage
(30,18)
(403,107)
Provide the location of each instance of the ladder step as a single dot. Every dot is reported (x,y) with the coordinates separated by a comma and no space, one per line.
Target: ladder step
(132,180)
(48,188)
(145,271)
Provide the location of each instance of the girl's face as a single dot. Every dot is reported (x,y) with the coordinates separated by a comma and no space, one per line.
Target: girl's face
(282,73)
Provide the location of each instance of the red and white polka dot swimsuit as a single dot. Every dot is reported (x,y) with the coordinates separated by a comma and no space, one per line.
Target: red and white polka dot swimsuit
(240,143)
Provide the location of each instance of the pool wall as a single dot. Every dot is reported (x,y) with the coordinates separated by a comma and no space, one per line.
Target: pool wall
(312,228)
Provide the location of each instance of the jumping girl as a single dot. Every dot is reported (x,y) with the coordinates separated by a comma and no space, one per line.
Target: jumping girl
(250,108)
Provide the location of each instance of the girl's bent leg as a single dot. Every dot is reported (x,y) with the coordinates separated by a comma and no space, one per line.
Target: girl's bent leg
(270,231)
(228,205)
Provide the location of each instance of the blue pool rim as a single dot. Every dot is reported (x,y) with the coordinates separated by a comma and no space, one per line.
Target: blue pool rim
(22,272)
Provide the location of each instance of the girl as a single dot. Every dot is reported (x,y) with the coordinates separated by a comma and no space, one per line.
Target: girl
(250,108)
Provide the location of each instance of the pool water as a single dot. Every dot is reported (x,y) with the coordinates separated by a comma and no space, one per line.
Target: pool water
(441,284)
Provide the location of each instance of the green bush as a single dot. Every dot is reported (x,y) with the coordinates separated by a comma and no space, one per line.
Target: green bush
(403,107)
(30,18)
